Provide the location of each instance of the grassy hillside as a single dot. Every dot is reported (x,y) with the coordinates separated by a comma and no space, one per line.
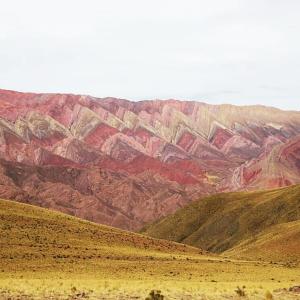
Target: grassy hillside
(32,234)
(49,255)
(221,222)
(277,243)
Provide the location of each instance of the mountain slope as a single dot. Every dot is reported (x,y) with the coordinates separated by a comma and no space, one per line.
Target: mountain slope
(279,166)
(40,237)
(236,221)
(277,243)
(95,194)
(139,161)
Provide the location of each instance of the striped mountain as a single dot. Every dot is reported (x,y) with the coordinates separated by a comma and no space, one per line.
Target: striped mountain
(127,163)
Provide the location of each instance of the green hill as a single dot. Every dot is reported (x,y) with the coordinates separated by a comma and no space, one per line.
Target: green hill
(242,222)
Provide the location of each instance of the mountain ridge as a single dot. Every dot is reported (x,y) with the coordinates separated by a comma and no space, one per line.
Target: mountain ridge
(163,154)
(11,91)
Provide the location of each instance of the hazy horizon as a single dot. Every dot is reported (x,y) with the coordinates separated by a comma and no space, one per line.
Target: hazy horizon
(234,52)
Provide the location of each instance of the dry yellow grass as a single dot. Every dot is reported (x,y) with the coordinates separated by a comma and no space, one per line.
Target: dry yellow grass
(278,243)
(254,225)
(48,255)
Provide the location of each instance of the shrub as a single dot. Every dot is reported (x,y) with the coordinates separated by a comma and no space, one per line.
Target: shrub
(268,296)
(155,295)
(241,291)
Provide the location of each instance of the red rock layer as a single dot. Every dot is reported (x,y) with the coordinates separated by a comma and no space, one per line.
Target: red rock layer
(126,163)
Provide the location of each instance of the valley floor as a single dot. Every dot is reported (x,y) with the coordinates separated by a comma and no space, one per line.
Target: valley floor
(184,277)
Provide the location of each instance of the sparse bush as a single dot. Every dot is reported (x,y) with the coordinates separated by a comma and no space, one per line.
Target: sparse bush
(241,291)
(155,295)
(76,295)
(269,296)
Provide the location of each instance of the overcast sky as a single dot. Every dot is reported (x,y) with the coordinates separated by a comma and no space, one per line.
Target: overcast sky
(216,51)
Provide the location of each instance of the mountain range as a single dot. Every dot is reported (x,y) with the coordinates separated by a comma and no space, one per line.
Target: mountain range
(126,164)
